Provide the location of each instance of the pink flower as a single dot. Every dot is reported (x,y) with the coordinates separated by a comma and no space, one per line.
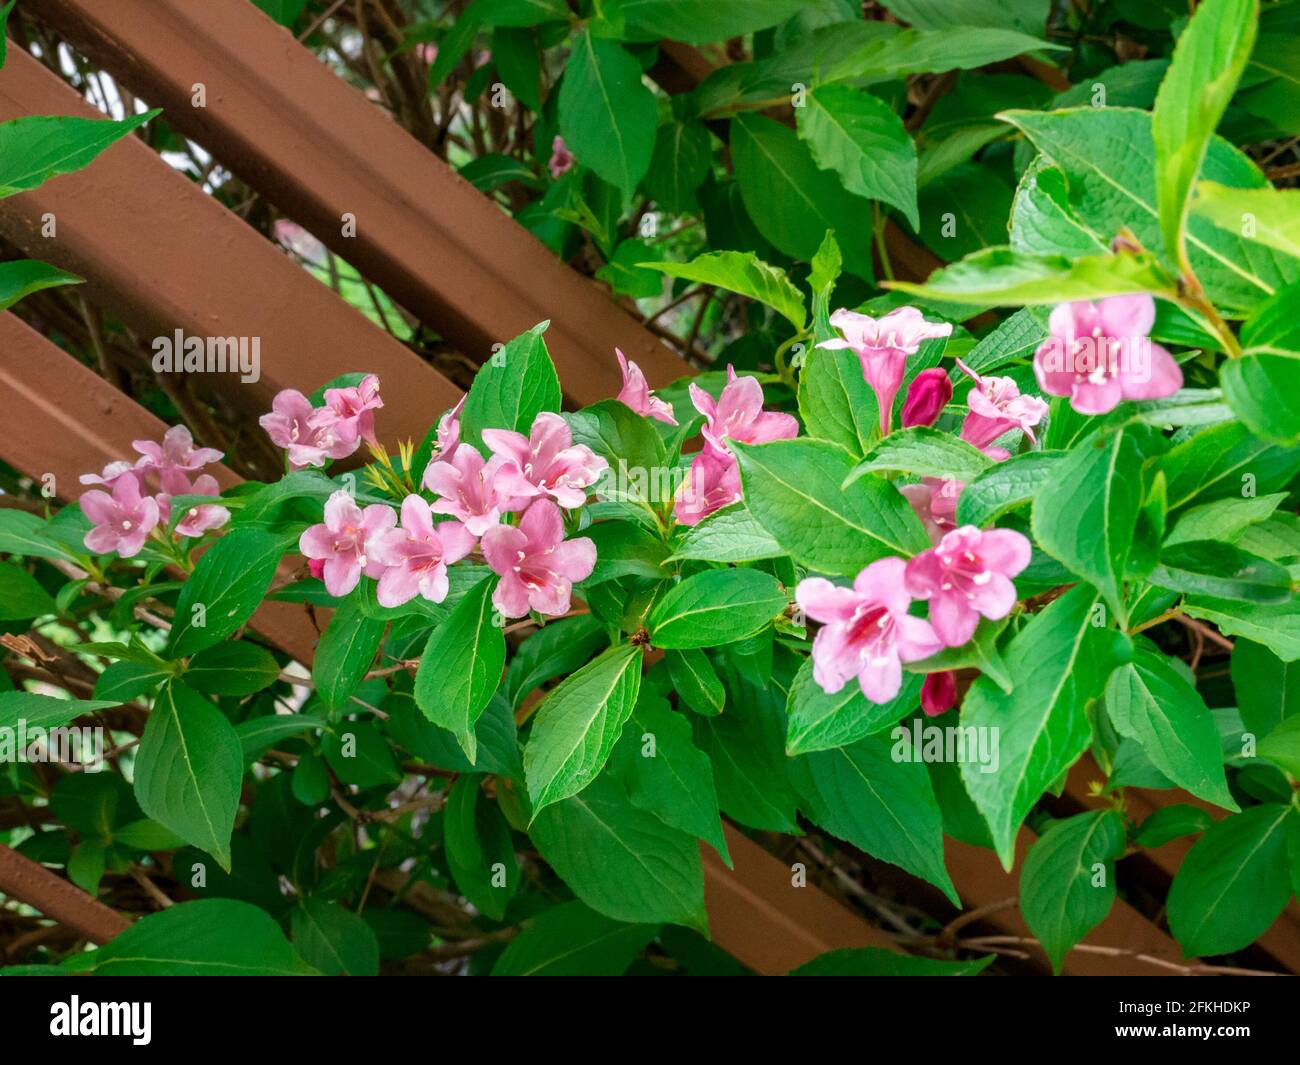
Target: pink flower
(122,520)
(545,463)
(562,159)
(351,411)
(927,395)
(712,483)
(738,414)
(1101,353)
(866,630)
(968,574)
(935,502)
(113,473)
(199,519)
(536,564)
(294,424)
(292,236)
(468,488)
(996,406)
(343,541)
(939,693)
(882,346)
(417,555)
(316,567)
(635,393)
(176,452)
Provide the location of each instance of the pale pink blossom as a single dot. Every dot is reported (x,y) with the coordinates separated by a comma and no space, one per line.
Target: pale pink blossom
(996,407)
(122,520)
(712,483)
(935,502)
(966,576)
(866,630)
(738,414)
(537,566)
(176,452)
(295,425)
(636,394)
(468,489)
(351,411)
(202,516)
(562,159)
(883,346)
(113,473)
(1101,353)
(417,555)
(294,237)
(343,541)
(545,463)
(939,692)
(927,395)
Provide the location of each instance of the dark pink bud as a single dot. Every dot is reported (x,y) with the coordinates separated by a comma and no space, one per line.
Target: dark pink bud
(317,567)
(939,693)
(927,395)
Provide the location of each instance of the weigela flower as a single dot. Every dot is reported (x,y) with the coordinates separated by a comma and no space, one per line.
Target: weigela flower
(866,630)
(309,438)
(1101,353)
(883,346)
(343,541)
(351,411)
(562,159)
(935,502)
(468,489)
(927,395)
(636,394)
(545,463)
(966,576)
(176,452)
(113,473)
(417,555)
(122,520)
(203,516)
(738,414)
(712,483)
(939,693)
(996,407)
(537,566)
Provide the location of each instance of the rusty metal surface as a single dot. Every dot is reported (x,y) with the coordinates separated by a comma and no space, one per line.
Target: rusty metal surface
(165,256)
(314,146)
(24,880)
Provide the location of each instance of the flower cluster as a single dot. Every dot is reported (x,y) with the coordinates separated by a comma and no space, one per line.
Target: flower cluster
(139,494)
(533,476)
(311,435)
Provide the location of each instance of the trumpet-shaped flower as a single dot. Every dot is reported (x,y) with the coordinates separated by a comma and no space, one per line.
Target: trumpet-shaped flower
(712,483)
(738,414)
(545,463)
(417,555)
(537,566)
(636,394)
(469,489)
(996,406)
(344,541)
(121,520)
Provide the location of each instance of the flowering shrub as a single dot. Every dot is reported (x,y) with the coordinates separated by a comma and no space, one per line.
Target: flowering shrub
(583,637)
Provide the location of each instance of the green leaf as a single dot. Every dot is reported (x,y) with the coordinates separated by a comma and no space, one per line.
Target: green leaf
(624,439)
(1108,157)
(359,754)
(918,51)
(578,725)
(716,607)
(512,388)
(24,534)
(681,161)
(1063,893)
(4,18)
(1268,689)
(1059,662)
(1282,746)
(1151,701)
(835,401)
(1210,567)
(1224,519)
(146,835)
(209,937)
(622,861)
(345,653)
(793,490)
(1276,626)
(35,148)
(1007,485)
(667,775)
(1233,882)
(925,452)
(480,850)
(817,721)
(607,116)
(556,649)
(696,681)
(873,961)
(285,12)
(1003,277)
(21,595)
(858,136)
(188,770)
(46,711)
(1086,515)
(697,21)
(333,940)
(865,795)
(225,588)
(1170,823)
(573,940)
(1264,392)
(1208,62)
(793,202)
(1265,215)
(124,681)
(21,277)
(230,668)
(727,535)
(259,734)
(461,666)
(747,274)
(625,549)
(523,13)
(1221,461)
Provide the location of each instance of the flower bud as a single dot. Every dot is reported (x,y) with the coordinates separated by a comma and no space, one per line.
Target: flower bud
(927,395)
(939,693)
